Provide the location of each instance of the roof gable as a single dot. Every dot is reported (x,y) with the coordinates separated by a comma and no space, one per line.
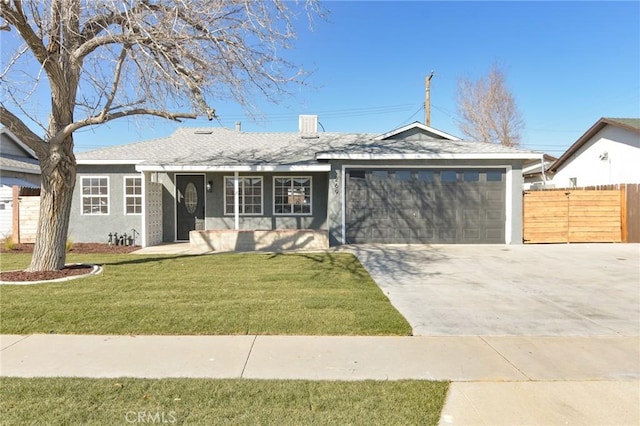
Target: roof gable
(12,145)
(416,129)
(630,124)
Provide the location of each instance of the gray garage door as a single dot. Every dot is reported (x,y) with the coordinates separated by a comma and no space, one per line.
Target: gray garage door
(425,206)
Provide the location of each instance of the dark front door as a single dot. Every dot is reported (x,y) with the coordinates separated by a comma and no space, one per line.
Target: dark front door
(189,204)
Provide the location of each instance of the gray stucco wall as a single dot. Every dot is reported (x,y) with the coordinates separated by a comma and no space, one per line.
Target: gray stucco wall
(214,205)
(96,228)
(327,201)
(335,215)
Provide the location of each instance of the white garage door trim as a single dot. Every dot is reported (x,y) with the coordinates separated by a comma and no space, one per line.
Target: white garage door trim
(508,189)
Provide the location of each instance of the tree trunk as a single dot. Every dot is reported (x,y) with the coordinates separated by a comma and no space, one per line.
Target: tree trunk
(58,180)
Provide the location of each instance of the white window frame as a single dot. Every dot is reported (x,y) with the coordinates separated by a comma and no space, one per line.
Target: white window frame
(292,213)
(83,196)
(241,194)
(127,196)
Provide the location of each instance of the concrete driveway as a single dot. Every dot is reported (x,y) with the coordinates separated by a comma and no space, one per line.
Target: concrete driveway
(511,290)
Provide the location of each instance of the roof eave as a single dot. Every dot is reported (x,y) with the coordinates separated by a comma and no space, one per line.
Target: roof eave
(108,162)
(234,168)
(418,156)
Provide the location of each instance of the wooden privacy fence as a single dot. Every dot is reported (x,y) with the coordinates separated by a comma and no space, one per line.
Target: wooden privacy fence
(605,214)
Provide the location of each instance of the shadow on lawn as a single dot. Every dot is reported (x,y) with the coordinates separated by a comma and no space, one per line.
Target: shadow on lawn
(391,261)
(394,261)
(147,259)
(329,260)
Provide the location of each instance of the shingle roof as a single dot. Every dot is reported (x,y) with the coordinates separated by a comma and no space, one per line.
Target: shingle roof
(24,164)
(224,147)
(626,122)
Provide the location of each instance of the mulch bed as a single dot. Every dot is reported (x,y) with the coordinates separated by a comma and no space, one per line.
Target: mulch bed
(68,271)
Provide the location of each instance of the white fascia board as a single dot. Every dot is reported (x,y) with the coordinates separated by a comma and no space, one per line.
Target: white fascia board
(108,162)
(496,156)
(263,168)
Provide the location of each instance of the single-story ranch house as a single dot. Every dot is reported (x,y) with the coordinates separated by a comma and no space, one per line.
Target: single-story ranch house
(234,190)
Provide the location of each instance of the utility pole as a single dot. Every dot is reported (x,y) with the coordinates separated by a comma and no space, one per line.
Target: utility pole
(427,100)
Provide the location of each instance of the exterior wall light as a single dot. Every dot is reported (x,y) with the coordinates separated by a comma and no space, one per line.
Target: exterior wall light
(210,186)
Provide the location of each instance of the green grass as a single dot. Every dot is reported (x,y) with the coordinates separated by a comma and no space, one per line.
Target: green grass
(299,294)
(204,401)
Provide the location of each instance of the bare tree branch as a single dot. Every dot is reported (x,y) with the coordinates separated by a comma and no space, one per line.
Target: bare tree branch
(18,128)
(14,16)
(110,59)
(488,112)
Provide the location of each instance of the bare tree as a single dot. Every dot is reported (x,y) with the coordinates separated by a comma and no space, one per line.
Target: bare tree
(488,111)
(109,59)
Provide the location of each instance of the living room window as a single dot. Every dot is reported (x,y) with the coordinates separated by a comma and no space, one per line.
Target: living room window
(292,195)
(95,195)
(132,195)
(250,195)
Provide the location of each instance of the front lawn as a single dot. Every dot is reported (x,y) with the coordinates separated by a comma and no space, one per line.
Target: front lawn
(210,402)
(295,294)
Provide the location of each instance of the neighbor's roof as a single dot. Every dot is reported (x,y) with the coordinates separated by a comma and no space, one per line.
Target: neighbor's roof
(19,164)
(17,141)
(14,181)
(631,124)
(219,148)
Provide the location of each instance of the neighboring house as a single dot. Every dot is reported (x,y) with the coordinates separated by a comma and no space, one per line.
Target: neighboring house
(535,172)
(19,167)
(414,184)
(608,153)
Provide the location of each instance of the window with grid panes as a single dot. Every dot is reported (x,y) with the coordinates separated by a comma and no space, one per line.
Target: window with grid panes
(292,195)
(133,195)
(249,196)
(95,195)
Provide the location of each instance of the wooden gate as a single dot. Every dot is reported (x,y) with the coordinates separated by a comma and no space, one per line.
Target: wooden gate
(572,216)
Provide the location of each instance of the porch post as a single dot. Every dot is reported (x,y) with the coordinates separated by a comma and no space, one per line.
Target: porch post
(236,200)
(145,212)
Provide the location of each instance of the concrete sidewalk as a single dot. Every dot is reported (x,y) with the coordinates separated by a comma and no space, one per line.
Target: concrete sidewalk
(496,380)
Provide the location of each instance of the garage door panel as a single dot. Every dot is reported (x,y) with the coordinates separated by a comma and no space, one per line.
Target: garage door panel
(446,235)
(494,215)
(380,233)
(495,235)
(427,206)
(472,216)
(471,234)
(494,195)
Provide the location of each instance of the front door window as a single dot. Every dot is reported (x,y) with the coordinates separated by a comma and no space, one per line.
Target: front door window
(190,198)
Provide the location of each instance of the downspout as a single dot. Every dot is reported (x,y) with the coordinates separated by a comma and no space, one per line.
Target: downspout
(236,201)
(544,176)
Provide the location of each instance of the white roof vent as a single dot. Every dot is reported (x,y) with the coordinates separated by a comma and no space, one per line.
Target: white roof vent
(308,123)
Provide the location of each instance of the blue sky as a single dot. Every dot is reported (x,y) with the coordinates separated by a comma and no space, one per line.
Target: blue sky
(567,64)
